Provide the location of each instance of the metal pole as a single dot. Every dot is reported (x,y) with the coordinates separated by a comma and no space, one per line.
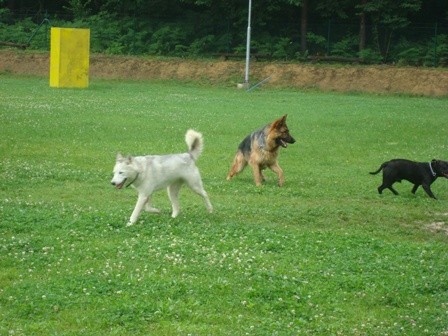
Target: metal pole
(246,77)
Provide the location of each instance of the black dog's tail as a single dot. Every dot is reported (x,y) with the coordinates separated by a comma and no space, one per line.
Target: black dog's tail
(379,169)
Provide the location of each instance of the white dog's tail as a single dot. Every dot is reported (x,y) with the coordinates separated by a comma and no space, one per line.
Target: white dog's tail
(195,143)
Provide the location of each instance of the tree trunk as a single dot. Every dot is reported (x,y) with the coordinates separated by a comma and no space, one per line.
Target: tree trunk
(304,26)
(362,27)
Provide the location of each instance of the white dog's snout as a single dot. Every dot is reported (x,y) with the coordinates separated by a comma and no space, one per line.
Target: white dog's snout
(117,181)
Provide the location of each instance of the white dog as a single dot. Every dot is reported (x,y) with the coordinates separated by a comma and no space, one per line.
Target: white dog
(150,173)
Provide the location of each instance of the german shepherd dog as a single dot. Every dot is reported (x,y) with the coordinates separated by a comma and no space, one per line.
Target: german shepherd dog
(260,150)
(150,173)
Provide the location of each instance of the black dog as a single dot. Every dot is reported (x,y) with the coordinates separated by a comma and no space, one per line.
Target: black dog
(419,173)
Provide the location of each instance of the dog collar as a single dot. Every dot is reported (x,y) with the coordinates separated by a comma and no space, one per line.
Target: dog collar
(132,180)
(432,171)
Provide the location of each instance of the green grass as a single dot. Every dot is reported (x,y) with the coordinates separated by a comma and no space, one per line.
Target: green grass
(324,255)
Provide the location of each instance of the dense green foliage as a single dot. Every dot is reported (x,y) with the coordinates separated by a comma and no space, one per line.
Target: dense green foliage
(408,32)
(324,255)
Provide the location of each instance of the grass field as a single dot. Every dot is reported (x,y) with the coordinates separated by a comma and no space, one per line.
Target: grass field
(324,255)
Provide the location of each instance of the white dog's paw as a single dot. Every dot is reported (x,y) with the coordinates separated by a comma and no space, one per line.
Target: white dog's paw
(152,210)
(129,224)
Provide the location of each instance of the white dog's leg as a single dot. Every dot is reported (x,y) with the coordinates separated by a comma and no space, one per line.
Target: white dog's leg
(173,193)
(208,205)
(196,186)
(138,208)
(149,207)
(207,202)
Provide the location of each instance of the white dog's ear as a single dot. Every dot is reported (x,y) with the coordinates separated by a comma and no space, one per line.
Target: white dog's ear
(129,159)
(119,157)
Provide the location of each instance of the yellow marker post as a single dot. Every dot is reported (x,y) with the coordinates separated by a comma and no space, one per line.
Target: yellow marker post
(69,57)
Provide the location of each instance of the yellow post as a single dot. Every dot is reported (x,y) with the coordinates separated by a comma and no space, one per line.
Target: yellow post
(69,57)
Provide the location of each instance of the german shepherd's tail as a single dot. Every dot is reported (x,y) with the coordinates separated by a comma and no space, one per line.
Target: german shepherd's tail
(379,169)
(195,143)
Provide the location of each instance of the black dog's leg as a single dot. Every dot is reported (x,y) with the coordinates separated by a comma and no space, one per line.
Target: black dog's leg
(415,188)
(428,190)
(393,190)
(384,186)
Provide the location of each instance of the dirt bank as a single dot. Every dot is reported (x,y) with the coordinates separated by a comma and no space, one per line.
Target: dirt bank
(374,79)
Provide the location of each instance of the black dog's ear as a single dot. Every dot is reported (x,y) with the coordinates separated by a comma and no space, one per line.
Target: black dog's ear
(433,160)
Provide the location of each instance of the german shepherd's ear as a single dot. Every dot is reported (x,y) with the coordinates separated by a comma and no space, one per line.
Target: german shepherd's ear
(279,122)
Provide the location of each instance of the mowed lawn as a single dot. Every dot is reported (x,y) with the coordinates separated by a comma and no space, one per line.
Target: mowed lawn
(323,255)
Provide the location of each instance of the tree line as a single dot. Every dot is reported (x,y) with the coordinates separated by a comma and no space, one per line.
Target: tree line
(413,32)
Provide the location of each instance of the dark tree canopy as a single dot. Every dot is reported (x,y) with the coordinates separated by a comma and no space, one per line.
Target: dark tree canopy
(406,31)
